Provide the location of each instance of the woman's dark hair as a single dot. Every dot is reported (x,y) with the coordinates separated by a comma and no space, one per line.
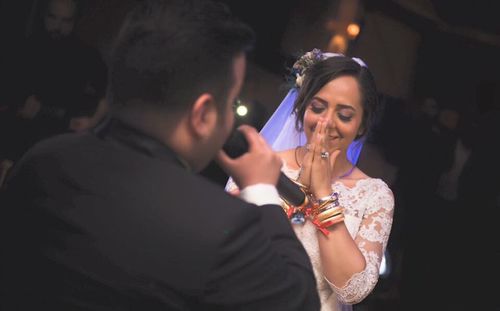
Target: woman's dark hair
(169,52)
(322,72)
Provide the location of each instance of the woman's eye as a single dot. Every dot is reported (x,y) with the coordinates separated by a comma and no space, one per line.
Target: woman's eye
(317,108)
(345,118)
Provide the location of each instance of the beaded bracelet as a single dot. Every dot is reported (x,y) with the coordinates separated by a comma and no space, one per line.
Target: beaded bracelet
(323,213)
(297,214)
(334,196)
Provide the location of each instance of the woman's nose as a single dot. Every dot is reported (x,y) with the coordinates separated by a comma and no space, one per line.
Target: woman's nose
(330,123)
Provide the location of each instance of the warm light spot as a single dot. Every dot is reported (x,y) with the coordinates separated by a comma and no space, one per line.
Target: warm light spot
(353,30)
(338,44)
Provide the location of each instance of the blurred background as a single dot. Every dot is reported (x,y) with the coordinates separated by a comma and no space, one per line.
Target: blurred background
(436,64)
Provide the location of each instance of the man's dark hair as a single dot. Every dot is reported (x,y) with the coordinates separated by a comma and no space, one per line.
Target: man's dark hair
(169,52)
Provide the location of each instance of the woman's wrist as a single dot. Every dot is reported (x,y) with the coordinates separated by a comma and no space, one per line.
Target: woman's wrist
(323,196)
(322,193)
(326,212)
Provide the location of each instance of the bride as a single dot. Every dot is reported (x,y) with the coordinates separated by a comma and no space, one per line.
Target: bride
(318,131)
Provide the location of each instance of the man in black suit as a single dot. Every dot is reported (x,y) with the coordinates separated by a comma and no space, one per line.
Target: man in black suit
(118,219)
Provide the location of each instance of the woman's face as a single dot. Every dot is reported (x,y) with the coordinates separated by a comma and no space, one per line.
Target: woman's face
(339,101)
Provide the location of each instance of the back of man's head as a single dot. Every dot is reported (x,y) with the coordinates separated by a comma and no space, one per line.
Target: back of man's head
(169,52)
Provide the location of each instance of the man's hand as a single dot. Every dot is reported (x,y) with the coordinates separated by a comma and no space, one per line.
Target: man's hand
(259,165)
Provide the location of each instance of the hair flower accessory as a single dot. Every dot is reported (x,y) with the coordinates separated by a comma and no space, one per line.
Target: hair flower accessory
(304,62)
(309,59)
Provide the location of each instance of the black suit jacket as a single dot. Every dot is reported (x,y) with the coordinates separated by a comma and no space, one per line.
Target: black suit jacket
(112,220)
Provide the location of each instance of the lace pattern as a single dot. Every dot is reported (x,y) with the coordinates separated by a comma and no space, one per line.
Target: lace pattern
(369,207)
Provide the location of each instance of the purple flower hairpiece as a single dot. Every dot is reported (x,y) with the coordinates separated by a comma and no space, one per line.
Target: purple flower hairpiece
(309,59)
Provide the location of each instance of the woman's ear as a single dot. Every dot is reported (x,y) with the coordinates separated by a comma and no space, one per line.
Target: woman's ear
(203,116)
(361,133)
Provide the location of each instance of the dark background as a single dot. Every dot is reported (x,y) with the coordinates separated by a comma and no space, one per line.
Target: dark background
(457,63)
(460,71)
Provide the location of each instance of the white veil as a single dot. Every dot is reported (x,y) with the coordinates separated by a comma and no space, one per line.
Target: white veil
(280,131)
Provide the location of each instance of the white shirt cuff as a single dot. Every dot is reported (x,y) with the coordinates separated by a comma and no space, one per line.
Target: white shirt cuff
(261,194)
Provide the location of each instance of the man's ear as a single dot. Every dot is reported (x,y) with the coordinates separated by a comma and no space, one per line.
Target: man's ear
(203,115)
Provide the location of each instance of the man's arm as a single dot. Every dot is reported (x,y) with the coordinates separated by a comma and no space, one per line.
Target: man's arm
(262,266)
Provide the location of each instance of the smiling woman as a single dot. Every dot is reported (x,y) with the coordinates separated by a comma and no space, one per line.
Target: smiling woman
(339,103)
(345,228)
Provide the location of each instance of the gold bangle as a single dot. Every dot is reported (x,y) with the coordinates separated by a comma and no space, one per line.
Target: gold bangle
(330,217)
(323,204)
(328,214)
(332,206)
(328,211)
(331,221)
(328,208)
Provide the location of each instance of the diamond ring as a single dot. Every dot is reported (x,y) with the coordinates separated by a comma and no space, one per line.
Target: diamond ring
(325,154)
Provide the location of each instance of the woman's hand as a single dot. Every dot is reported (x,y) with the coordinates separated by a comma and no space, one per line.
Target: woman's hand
(320,162)
(305,168)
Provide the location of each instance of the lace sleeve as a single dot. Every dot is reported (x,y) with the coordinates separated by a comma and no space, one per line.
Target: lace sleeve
(372,240)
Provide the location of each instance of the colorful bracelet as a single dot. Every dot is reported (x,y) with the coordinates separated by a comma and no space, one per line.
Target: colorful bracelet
(326,212)
(323,212)
(297,214)
(333,196)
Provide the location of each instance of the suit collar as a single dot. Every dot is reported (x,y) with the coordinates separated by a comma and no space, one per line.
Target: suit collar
(114,129)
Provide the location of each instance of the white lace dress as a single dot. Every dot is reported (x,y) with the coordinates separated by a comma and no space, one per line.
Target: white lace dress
(369,207)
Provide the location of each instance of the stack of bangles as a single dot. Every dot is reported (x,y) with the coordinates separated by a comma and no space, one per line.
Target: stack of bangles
(326,212)
(323,213)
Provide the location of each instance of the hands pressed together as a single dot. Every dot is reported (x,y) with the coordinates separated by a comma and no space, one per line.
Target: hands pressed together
(317,165)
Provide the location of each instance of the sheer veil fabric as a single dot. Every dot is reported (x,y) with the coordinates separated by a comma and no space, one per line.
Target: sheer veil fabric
(281,133)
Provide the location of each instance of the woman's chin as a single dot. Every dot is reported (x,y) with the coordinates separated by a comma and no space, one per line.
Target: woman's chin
(333,145)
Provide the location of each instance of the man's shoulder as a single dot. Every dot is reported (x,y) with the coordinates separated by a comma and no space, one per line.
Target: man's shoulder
(60,144)
(48,154)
